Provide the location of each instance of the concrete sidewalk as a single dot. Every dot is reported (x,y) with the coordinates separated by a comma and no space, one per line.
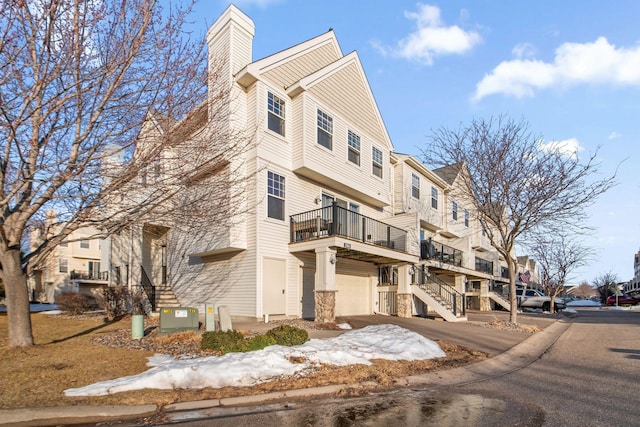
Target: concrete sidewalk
(512,350)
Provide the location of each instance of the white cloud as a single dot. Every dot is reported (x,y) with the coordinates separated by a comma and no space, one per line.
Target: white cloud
(599,62)
(524,50)
(431,38)
(614,135)
(567,147)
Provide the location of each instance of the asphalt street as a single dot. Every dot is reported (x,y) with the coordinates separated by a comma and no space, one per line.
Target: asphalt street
(589,377)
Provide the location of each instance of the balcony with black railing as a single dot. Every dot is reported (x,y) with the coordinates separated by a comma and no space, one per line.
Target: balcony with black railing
(484,266)
(438,252)
(89,275)
(335,220)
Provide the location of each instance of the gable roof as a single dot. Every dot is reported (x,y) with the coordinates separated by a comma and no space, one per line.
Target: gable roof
(317,66)
(288,66)
(449,173)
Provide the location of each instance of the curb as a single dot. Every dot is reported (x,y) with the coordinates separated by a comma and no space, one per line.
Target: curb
(52,416)
(517,357)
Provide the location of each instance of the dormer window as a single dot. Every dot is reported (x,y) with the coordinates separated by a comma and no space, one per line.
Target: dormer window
(275,107)
(325,130)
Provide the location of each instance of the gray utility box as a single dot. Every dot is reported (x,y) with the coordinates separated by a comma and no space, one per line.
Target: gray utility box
(178,319)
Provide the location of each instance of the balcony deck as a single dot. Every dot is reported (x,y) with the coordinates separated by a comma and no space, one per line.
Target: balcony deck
(334,220)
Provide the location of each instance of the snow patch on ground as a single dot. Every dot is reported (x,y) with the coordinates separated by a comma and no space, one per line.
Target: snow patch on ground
(359,346)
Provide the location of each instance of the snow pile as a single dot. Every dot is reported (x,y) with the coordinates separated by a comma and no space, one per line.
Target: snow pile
(360,346)
(583,303)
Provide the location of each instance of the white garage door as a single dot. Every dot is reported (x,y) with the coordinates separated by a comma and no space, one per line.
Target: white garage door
(353,296)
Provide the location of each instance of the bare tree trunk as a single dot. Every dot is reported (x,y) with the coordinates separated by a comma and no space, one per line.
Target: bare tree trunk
(17,294)
(513,299)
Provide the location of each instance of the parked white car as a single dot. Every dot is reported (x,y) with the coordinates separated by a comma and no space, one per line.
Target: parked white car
(533,298)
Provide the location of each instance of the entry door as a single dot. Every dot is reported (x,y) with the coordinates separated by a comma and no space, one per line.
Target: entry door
(308,295)
(274,279)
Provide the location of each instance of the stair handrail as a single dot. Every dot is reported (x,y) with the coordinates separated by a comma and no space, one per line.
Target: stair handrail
(148,287)
(446,292)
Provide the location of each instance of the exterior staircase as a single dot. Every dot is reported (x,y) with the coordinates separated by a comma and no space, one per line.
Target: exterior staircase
(165,298)
(500,300)
(442,299)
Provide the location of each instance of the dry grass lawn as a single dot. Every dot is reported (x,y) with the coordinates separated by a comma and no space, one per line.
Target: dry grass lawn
(65,357)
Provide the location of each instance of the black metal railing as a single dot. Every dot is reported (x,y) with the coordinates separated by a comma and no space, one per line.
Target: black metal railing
(335,220)
(434,286)
(388,275)
(484,266)
(89,275)
(148,287)
(437,251)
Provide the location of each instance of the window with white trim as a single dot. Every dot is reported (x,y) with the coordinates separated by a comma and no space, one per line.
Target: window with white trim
(376,157)
(415,186)
(275,119)
(434,197)
(63,265)
(466,217)
(85,244)
(275,199)
(325,130)
(454,211)
(354,148)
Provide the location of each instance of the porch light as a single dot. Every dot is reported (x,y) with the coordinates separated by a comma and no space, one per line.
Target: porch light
(332,259)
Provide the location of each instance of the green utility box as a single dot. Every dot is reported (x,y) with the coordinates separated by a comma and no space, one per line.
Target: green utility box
(178,319)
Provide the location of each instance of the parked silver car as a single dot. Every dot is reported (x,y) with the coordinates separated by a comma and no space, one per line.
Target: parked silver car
(533,298)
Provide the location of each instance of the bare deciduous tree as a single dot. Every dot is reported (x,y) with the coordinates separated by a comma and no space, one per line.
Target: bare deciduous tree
(584,291)
(557,255)
(96,98)
(607,285)
(515,182)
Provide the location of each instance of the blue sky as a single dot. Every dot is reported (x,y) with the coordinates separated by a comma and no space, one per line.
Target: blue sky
(570,69)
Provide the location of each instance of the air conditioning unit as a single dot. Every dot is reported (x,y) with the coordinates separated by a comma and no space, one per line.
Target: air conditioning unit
(178,319)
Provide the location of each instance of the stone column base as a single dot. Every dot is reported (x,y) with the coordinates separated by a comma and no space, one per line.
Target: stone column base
(325,306)
(485,304)
(404,304)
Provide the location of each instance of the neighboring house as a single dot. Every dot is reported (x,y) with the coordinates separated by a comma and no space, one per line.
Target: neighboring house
(335,223)
(633,286)
(73,266)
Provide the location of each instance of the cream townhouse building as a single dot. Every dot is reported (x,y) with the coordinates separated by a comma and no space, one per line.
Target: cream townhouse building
(335,222)
(73,266)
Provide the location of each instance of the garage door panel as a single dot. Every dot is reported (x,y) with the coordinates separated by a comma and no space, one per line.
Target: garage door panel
(353,296)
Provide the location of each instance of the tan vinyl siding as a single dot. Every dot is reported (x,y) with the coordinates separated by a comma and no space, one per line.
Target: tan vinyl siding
(348,94)
(295,69)
(332,166)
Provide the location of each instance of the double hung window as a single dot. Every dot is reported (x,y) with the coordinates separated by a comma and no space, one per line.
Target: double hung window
(354,148)
(275,107)
(325,130)
(415,186)
(275,195)
(434,197)
(376,157)
(63,265)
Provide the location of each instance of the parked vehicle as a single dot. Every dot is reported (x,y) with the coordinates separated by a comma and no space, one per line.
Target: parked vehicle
(533,298)
(623,300)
